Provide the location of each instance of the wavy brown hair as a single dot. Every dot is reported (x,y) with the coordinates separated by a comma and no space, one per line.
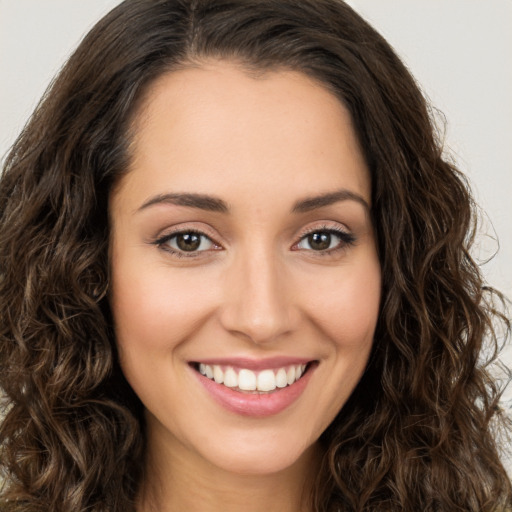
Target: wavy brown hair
(420,430)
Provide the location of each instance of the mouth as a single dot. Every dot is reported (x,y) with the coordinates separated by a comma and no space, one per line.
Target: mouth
(255,388)
(250,381)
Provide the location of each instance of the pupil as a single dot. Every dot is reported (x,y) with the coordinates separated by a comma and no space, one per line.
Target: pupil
(319,241)
(188,241)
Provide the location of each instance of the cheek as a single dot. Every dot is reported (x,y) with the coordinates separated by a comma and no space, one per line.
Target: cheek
(346,306)
(155,306)
(156,311)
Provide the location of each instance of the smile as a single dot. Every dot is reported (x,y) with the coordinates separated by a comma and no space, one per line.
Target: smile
(255,388)
(246,380)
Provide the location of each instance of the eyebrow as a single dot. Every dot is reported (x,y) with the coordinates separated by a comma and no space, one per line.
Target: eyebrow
(312,203)
(214,204)
(200,201)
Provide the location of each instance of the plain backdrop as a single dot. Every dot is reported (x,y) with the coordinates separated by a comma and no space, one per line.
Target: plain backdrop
(460,51)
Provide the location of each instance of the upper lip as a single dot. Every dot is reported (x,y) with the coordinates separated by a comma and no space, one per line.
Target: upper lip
(255,364)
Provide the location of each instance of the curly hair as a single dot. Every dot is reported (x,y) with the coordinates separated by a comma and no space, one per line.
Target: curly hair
(420,430)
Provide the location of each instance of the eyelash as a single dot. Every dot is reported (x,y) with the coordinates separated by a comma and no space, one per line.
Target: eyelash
(346,240)
(163,242)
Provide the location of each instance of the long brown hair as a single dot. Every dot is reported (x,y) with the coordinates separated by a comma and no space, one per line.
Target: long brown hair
(420,430)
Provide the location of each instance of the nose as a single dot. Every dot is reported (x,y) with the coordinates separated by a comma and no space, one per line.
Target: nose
(258,303)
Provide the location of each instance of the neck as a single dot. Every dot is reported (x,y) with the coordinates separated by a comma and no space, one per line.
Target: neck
(178,479)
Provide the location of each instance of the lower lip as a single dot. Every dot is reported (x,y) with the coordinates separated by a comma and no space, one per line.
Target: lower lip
(255,404)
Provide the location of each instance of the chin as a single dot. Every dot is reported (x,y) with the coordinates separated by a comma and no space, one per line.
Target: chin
(259,457)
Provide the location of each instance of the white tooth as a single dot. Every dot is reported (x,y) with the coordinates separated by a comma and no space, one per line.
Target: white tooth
(303,368)
(247,380)
(266,381)
(298,372)
(218,374)
(230,378)
(208,371)
(290,375)
(202,369)
(281,379)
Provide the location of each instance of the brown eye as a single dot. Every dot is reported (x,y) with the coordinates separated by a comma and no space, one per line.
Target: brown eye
(188,242)
(325,240)
(319,241)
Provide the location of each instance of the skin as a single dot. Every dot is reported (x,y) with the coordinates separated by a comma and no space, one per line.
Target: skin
(258,290)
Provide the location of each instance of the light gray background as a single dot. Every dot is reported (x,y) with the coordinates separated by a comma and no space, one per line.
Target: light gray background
(459,50)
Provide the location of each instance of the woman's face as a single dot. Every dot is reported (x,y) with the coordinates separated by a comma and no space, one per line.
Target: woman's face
(245,275)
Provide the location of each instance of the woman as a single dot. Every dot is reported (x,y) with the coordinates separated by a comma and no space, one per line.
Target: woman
(235,273)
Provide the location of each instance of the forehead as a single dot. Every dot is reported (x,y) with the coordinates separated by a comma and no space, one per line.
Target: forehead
(216,124)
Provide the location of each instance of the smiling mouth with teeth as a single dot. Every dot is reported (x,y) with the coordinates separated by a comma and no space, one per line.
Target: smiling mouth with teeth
(248,381)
